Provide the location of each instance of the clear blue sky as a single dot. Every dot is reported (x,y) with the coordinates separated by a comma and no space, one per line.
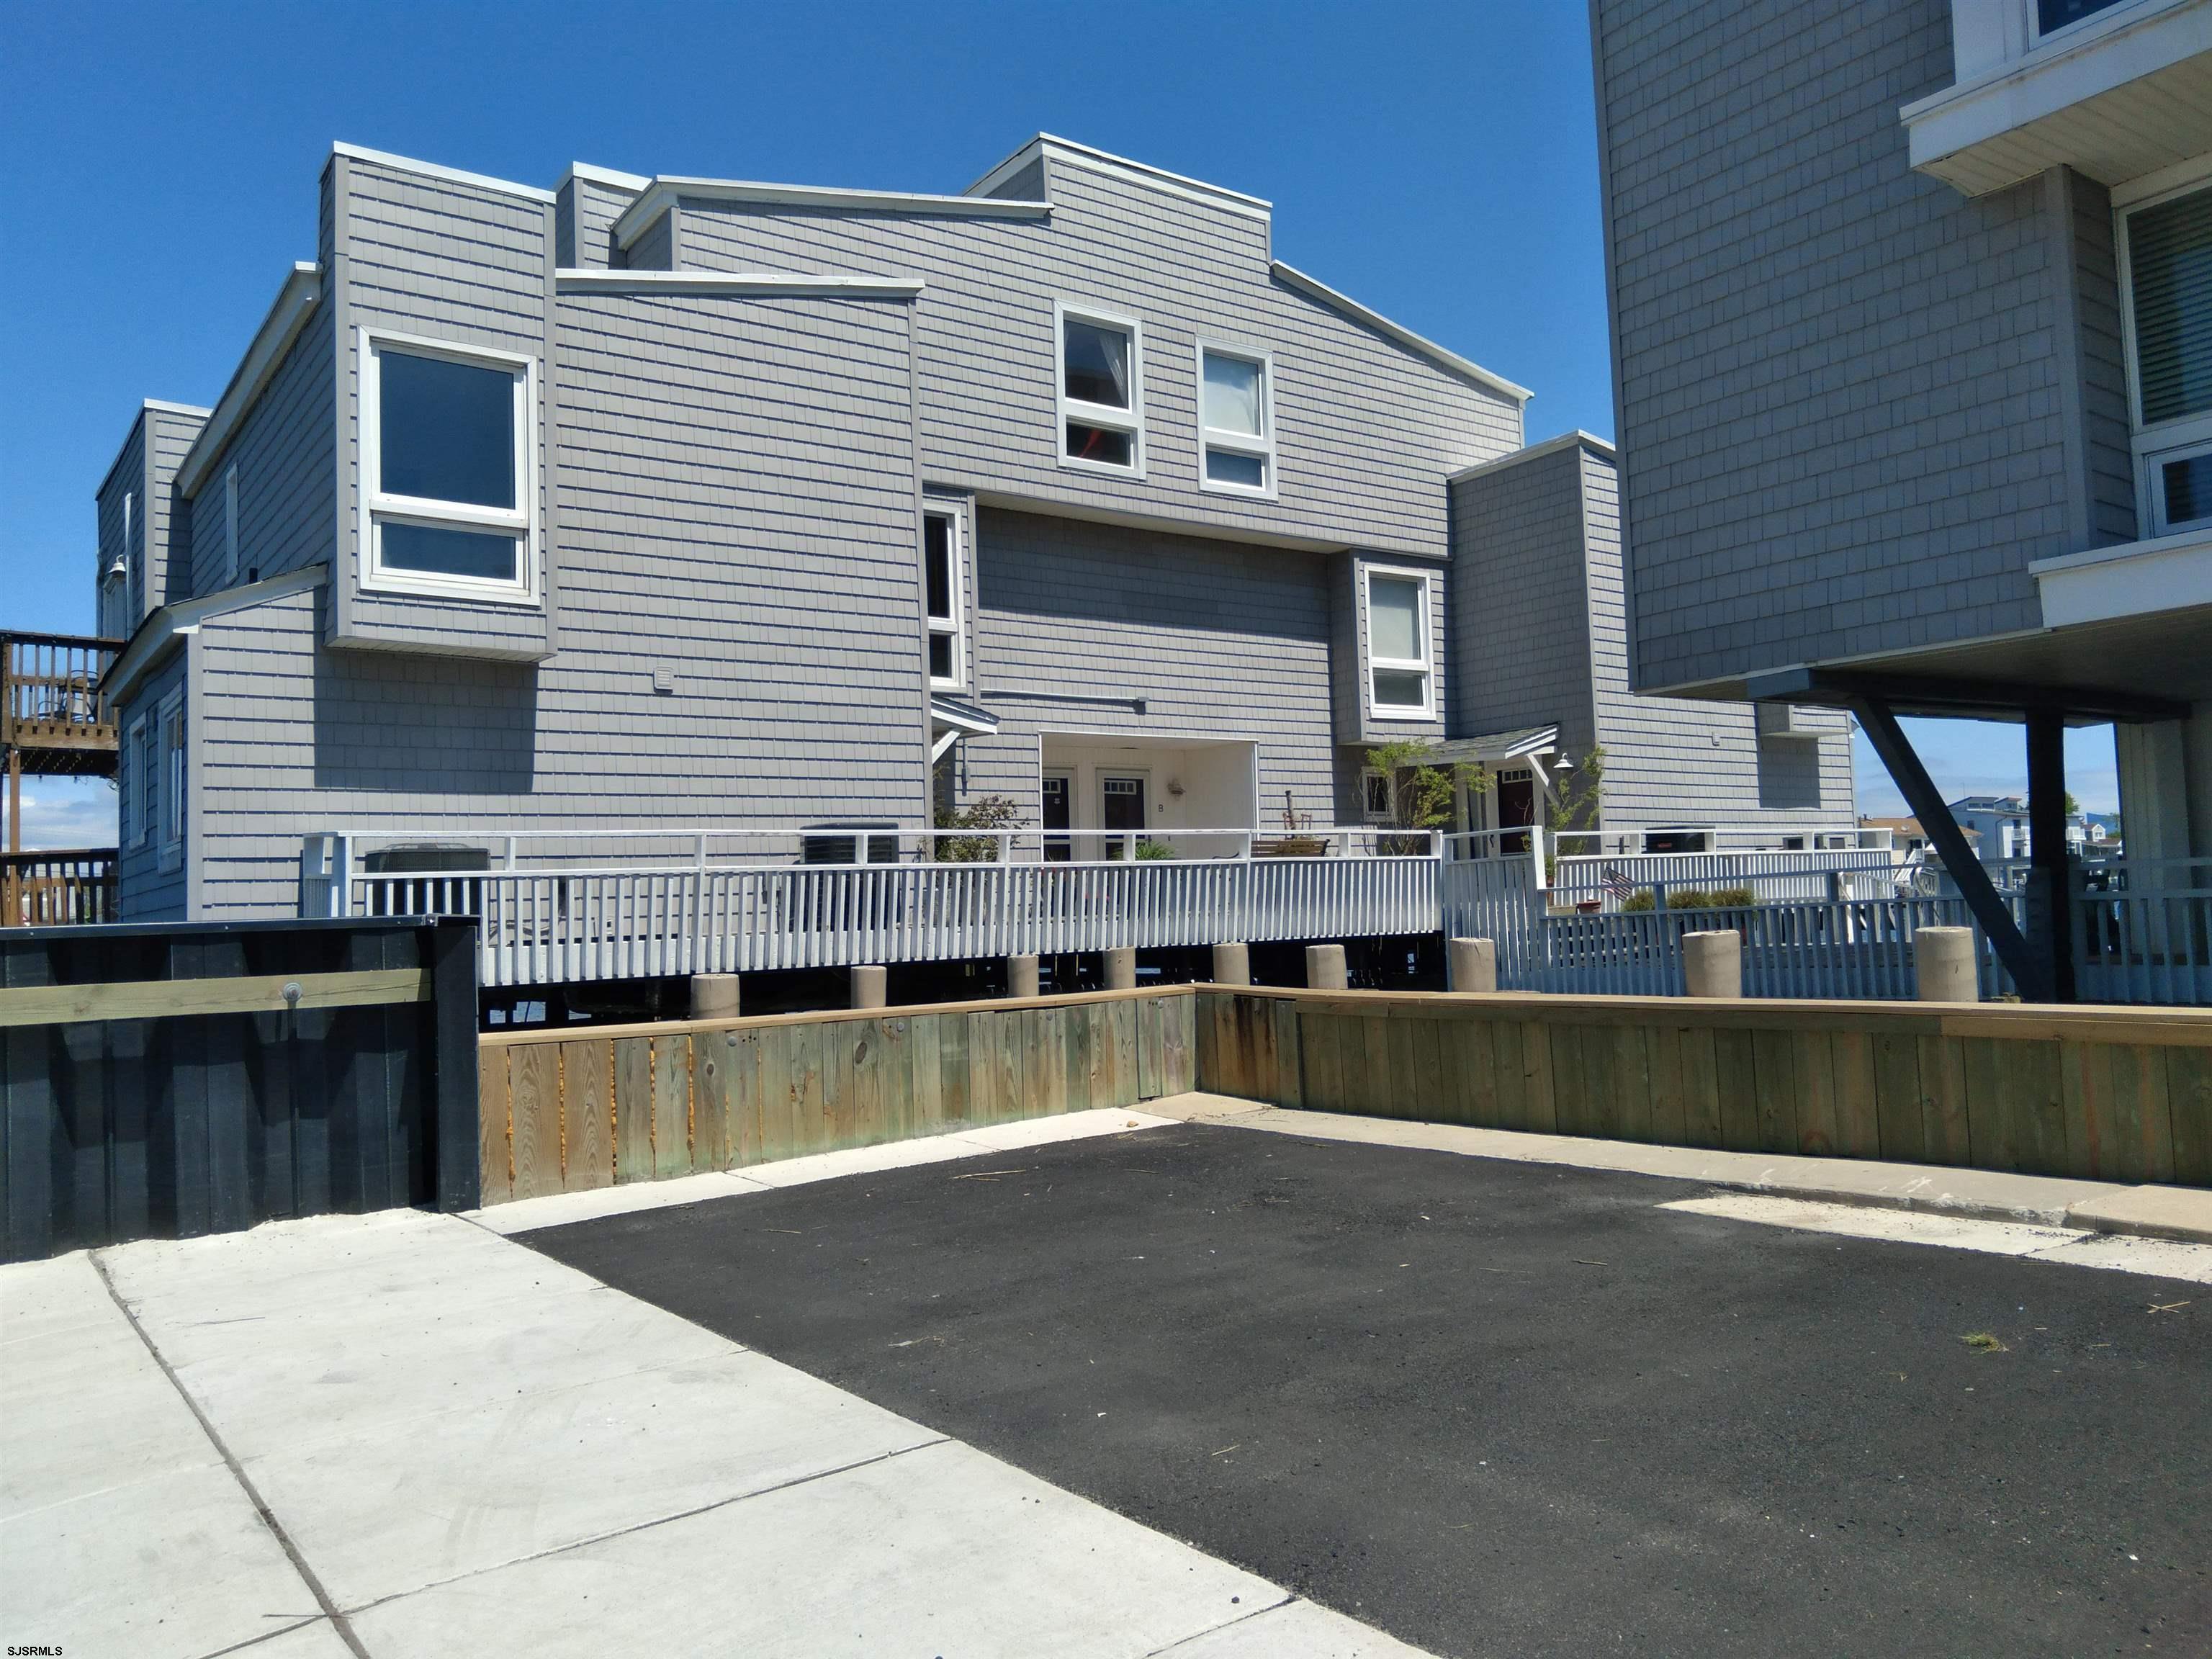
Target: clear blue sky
(1437,160)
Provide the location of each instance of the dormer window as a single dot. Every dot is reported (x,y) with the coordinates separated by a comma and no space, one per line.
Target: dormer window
(1102,400)
(449,486)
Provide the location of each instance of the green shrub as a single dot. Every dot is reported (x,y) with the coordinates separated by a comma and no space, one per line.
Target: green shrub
(1154,849)
(1643,899)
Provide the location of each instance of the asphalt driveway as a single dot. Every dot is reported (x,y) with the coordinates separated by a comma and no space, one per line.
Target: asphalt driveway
(1499,1408)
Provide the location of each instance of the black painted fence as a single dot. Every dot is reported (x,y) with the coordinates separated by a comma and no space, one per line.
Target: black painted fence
(168,1081)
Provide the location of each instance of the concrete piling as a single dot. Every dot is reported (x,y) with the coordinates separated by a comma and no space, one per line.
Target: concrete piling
(714,996)
(1021,976)
(871,986)
(1232,964)
(1713,964)
(1943,965)
(1325,968)
(1471,964)
(1122,969)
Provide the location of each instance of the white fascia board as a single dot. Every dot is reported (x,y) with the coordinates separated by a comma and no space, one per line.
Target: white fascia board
(1067,149)
(1405,337)
(2107,54)
(303,289)
(665,192)
(167,408)
(147,406)
(1532,452)
(608,177)
(2136,579)
(149,645)
(760,284)
(451,175)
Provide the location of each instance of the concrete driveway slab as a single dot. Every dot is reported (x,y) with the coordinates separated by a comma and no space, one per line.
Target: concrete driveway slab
(1297,1630)
(172,1567)
(939,1551)
(558,1209)
(427,1500)
(291,1381)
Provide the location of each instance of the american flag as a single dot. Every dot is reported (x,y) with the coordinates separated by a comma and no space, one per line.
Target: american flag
(1618,884)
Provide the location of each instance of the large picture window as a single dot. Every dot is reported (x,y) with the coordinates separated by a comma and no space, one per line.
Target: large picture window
(2168,245)
(1101,398)
(1399,681)
(1237,420)
(449,486)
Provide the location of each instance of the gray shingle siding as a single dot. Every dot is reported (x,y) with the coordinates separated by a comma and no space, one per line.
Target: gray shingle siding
(456,263)
(1521,633)
(145,889)
(1219,640)
(1843,395)
(286,472)
(733,509)
(655,246)
(123,532)
(584,214)
(169,434)
(1366,427)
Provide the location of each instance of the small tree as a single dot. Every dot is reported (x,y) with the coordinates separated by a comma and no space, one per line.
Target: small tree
(1574,803)
(989,812)
(1420,788)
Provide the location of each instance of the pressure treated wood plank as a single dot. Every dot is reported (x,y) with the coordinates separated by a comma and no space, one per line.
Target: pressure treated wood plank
(1372,1088)
(1011,1036)
(1946,1126)
(1664,1063)
(2142,1113)
(2085,1075)
(633,1109)
(1430,1103)
(1321,1060)
(587,1125)
(2189,1103)
(983,1067)
(834,1124)
(711,1100)
(741,1055)
(1858,1129)
(1814,1066)
(1536,1077)
(1993,1119)
(779,1047)
(1736,1070)
(898,1085)
(671,1105)
(925,1070)
(534,1085)
(1149,1044)
(869,1121)
(1774,1064)
(953,1104)
(1075,1060)
(1470,1056)
(495,1156)
(1215,1052)
(1290,1056)
(1901,1133)
(1125,1071)
(1701,1087)
(1509,1072)
(1404,1099)
(2034,1069)
(1574,1077)
(1175,1024)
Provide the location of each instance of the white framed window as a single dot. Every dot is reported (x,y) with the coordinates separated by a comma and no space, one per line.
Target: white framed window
(1401,685)
(1100,355)
(173,780)
(230,524)
(138,786)
(1237,420)
(943,562)
(1374,796)
(2166,255)
(2051,17)
(448,469)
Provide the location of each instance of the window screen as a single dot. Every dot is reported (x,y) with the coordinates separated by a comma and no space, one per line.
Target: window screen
(2170,269)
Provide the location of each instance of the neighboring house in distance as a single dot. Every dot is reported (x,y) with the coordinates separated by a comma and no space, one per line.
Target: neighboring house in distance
(1998,824)
(1911,305)
(647,503)
(1909,839)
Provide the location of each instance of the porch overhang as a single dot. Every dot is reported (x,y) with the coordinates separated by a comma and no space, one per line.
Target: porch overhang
(951,720)
(1491,748)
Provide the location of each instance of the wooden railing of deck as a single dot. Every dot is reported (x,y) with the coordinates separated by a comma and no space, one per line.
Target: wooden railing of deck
(50,695)
(58,888)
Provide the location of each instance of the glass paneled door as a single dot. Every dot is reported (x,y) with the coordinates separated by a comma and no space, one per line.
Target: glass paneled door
(1057,849)
(1122,807)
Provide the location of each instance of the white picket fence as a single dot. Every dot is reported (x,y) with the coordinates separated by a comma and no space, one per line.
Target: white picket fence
(540,928)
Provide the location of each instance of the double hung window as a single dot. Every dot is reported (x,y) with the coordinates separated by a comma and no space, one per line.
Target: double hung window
(941,571)
(448,488)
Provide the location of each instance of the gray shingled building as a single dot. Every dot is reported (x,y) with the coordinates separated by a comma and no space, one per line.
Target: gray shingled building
(1912,334)
(654,501)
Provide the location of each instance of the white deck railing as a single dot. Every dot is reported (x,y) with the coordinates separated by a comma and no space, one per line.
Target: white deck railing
(547,926)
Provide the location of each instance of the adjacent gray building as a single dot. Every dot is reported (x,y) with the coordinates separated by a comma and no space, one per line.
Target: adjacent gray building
(641,504)
(1911,306)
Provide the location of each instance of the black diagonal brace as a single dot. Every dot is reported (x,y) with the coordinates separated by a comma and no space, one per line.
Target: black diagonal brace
(2031,973)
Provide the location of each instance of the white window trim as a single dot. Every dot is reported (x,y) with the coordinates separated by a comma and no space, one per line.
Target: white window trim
(957,629)
(2153,445)
(169,761)
(1130,420)
(375,507)
(135,831)
(230,525)
(1242,443)
(1369,812)
(1426,667)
